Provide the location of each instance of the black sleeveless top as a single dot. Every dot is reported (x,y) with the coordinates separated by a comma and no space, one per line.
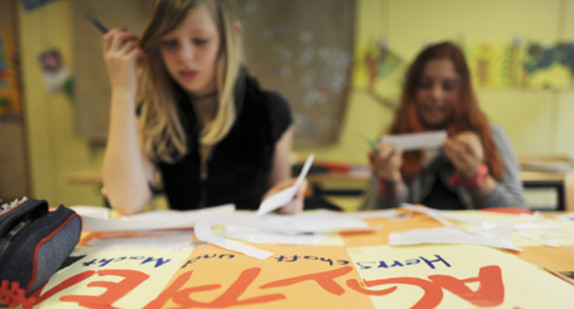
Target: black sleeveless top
(239,166)
(441,197)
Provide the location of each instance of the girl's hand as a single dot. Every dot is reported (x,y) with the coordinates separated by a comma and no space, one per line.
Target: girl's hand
(121,52)
(465,152)
(386,163)
(295,206)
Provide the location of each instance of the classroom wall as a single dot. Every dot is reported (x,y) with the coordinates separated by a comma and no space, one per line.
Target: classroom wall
(14,180)
(56,152)
(537,121)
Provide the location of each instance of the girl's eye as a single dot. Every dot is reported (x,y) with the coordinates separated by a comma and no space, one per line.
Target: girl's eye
(449,85)
(425,85)
(200,41)
(169,44)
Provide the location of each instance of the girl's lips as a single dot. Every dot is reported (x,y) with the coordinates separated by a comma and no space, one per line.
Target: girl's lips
(188,74)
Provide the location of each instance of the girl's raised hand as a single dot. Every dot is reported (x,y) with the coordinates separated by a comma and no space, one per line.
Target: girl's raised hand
(121,51)
(295,206)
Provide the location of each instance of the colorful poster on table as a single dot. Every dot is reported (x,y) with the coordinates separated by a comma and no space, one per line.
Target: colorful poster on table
(295,277)
(455,276)
(112,279)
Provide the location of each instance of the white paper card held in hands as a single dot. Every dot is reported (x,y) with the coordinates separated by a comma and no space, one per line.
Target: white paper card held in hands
(286,195)
(414,141)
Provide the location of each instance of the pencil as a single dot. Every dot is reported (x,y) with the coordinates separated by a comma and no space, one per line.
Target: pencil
(371,142)
(96,21)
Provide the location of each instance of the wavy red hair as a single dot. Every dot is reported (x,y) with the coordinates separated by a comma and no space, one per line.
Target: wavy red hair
(466,115)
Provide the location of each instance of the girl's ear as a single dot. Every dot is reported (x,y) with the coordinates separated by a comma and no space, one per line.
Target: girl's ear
(238,28)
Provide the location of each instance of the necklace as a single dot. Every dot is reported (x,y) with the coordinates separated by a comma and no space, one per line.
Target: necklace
(205,96)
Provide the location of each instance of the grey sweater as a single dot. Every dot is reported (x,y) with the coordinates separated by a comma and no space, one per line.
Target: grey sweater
(508,191)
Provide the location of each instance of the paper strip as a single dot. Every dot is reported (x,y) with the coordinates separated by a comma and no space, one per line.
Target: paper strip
(204,233)
(286,195)
(154,220)
(435,214)
(450,235)
(281,224)
(414,141)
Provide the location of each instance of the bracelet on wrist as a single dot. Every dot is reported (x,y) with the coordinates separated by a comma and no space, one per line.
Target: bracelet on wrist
(387,185)
(477,180)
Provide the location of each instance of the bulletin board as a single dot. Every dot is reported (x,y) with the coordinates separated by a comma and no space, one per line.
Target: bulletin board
(301,49)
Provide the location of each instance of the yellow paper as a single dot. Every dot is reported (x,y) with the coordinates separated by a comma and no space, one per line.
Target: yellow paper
(119,278)
(456,276)
(295,277)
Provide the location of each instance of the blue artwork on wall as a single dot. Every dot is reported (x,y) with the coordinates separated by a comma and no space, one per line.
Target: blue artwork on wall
(30,5)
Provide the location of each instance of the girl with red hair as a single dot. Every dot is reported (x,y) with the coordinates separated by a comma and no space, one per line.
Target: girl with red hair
(476,166)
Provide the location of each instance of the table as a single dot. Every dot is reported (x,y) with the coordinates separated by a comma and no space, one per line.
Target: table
(342,184)
(344,270)
(563,183)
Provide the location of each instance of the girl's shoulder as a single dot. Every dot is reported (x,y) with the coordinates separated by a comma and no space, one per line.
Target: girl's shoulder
(266,99)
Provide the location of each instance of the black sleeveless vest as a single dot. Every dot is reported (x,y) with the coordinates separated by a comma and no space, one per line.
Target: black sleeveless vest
(239,166)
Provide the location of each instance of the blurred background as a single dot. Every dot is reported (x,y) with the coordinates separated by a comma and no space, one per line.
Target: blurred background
(340,64)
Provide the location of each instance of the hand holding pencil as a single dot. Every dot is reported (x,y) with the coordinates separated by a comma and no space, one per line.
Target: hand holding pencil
(121,52)
(386,163)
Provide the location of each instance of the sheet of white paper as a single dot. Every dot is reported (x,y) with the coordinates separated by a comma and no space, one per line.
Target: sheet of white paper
(153,220)
(268,237)
(294,224)
(172,240)
(414,141)
(92,211)
(433,213)
(529,229)
(288,228)
(203,231)
(384,213)
(311,223)
(568,218)
(496,237)
(286,195)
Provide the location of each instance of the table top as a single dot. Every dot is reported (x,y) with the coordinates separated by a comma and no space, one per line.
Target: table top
(361,269)
(360,179)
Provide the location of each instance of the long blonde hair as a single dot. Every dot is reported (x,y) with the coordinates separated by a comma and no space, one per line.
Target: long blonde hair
(163,132)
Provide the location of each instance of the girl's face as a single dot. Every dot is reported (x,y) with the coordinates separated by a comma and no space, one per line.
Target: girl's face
(437,93)
(190,52)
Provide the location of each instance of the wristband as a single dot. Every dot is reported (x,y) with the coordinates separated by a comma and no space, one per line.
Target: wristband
(386,185)
(476,181)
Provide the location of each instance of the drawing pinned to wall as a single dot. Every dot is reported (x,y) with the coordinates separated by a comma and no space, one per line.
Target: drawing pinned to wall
(9,91)
(565,55)
(30,5)
(56,75)
(288,49)
(512,71)
(549,67)
(491,64)
(381,72)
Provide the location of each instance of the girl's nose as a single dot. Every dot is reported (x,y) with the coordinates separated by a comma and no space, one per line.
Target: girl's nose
(436,91)
(185,52)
